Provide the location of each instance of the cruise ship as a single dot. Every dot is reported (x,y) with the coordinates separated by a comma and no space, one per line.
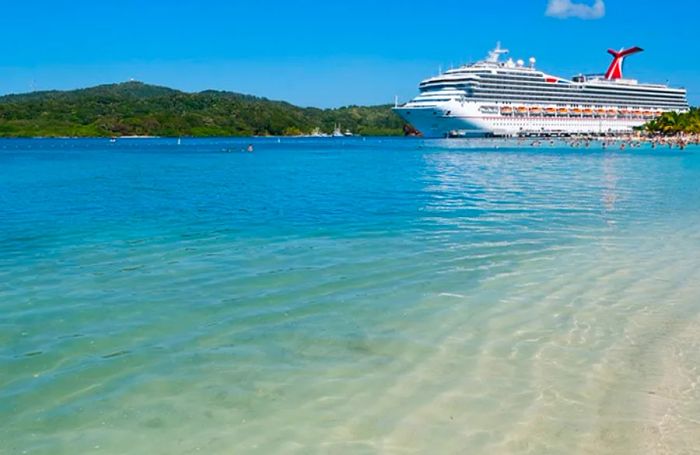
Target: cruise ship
(493,97)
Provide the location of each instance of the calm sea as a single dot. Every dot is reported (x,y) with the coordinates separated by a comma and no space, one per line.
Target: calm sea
(348,296)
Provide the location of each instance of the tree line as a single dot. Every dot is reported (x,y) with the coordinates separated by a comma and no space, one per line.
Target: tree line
(671,123)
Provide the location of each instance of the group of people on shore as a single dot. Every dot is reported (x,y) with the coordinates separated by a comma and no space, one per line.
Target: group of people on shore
(680,140)
(629,141)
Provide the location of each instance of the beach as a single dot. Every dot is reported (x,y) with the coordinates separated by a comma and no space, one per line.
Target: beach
(348,295)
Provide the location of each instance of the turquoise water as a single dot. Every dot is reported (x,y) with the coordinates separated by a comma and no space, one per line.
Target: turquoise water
(347,296)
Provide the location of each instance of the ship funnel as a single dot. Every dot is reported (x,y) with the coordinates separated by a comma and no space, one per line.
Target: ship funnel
(615,69)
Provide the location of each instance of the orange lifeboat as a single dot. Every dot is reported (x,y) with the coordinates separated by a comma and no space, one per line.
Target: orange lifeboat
(648,113)
(637,113)
(536,110)
(521,109)
(506,110)
(577,111)
(600,111)
(611,112)
(551,110)
(588,111)
(562,110)
(625,112)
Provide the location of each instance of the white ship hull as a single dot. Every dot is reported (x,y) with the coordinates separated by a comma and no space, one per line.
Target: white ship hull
(467,119)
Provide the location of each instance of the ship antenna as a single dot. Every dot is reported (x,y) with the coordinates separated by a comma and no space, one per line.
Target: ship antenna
(495,54)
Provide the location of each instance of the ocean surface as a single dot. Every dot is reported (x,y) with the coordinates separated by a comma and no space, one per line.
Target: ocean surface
(348,296)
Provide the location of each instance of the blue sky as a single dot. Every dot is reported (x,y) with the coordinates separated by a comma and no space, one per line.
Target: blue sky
(332,53)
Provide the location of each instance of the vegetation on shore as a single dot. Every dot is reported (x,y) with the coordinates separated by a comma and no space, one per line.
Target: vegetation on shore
(672,123)
(134,108)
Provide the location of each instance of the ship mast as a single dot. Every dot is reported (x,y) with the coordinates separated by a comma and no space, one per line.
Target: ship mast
(495,54)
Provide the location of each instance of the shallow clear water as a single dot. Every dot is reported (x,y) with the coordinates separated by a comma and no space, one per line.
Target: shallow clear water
(347,296)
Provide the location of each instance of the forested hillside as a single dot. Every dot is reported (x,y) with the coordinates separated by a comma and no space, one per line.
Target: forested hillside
(134,108)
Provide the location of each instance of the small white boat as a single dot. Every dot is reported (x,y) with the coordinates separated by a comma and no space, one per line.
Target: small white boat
(317,133)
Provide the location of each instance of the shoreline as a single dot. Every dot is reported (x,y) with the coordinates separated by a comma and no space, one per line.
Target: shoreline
(680,140)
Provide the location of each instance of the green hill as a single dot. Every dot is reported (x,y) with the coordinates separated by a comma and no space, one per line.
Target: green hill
(134,108)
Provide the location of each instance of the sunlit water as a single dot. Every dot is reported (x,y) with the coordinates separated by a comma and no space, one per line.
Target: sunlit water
(348,296)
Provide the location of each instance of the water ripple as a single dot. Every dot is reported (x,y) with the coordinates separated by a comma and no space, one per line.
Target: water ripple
(375,295)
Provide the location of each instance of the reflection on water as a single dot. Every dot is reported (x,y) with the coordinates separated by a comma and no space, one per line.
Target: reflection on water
(609,195)
(347,296)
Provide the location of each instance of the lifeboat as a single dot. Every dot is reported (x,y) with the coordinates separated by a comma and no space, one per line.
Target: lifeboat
(611,112)
(577,111)
(506,110)
(536,110)
(600,111)
(521,109)
(625,112)
(588,111)
(562,110)
(637,113)
(551,110)
(648,113)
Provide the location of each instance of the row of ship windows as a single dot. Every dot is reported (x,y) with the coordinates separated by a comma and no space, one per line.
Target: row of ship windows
(489,75)
(561,88)
(577,99)
(554,86)
(568,126)
(432,100)
(589,106)
(485,79)
(526,121)
(598,117)
(574,96)
(586,102)
(565,82)
(495,108)
(602,91)
(580,96)
(567,105)
(526,77)
(555,122)
(558,90)
(583,99)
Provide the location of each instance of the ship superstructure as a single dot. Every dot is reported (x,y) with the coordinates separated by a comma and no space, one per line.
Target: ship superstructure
(506,98)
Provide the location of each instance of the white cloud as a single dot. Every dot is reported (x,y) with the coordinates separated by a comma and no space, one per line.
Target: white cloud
(563,9)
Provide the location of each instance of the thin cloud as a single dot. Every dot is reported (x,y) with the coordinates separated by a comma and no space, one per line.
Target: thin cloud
(563,9)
